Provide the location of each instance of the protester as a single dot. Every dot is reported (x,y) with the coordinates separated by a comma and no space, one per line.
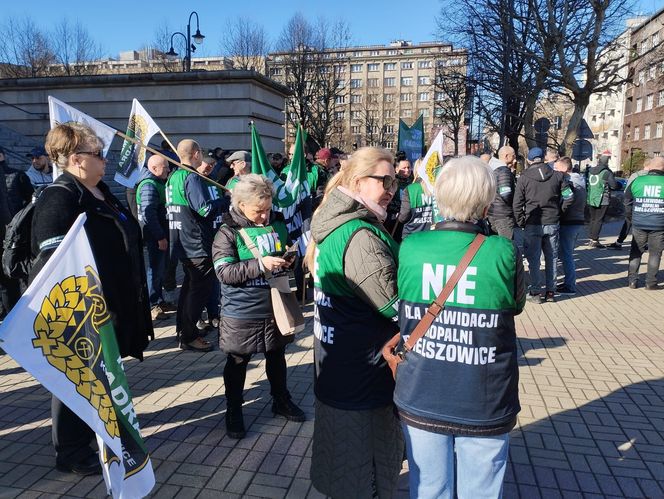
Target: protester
(486,157)
(151,204)
(644,206)
(626,228)
(168,151)
(240,163)
(458,398)
(40,172)
(571,223)
(192,208)
(277,161)
(551,157)
(417,207)
(600,183)
(404,175)
(357,442)
(247,325)
(319,173)
(540,195)
(115,240)
(19,186)
(501,213)
(221,171)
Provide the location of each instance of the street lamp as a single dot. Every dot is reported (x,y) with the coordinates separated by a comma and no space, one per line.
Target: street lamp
(190,47)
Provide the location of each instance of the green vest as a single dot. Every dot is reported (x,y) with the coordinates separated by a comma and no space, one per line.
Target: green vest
(596,188)
(161,189)
(348,333)
(423,210)
(231,183)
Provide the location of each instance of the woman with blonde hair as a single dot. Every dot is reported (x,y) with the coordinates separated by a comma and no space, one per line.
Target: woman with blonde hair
(357,442)
(115,240)
(457,389)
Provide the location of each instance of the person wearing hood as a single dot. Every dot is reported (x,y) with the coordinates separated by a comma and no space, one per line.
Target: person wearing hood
(601,182)
(540,195)
(501,213)
(357,443)
(151,206)
(571,223)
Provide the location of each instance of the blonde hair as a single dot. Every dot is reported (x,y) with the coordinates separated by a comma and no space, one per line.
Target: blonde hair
(69,138)
(361,163)
(464,189)
(251,189)
(416,166)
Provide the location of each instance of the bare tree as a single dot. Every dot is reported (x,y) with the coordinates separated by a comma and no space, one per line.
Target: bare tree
(450,101)
(246,43)
(25,50)
(73,48)
(161,44)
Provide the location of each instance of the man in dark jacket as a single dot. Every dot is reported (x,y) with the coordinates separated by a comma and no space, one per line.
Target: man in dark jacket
(571,223)
(151,203)
(540,194)
(600,182)
(644,206)
(501,213)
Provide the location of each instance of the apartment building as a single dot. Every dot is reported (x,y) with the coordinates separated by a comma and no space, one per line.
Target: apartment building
(643,127)
(380,84)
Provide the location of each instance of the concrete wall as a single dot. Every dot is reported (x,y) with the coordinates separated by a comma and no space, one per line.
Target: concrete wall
(212,107)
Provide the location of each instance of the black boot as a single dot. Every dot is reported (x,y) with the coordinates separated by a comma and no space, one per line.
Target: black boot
(285,407)
(235,422)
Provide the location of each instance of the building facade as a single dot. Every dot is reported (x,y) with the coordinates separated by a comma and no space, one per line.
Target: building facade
(376,86)
(643,128)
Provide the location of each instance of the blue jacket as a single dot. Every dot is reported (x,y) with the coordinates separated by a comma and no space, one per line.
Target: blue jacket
(152,206)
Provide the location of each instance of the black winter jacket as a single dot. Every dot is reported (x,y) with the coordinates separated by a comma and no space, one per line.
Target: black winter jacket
(501,207)
(19,188)
(540,195)
(115,240)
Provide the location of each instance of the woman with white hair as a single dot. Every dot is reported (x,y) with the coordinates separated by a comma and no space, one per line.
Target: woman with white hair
(247,324)
(457,389)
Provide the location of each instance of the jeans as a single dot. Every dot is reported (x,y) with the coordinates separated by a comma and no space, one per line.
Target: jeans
(642,241)
(235,374)
(502,226)
(538,239)
(197,285)
(155,271)
(480,465)
(568,237)
(596,220)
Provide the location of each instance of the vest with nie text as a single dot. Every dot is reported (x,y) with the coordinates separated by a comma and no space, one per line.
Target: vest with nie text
(648,209)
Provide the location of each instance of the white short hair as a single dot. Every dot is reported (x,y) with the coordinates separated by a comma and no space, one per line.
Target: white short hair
(464,188)
(251,189)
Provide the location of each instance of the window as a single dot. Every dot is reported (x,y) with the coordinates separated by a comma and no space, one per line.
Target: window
(389,145)
(438,111)
(637,133)
(406,65)
(423,96)
(340,83)
(355,129)
(374,52)
(356,99)
(340,99)
(355,83)
(441,96)
(373,66)
(357,54)
(639,105)
(660,101)
(423,80)
(392,52)
(389,113)
(339,69)
(655,39)
(406,81)
(649,101)
(388,97)
(407,113)
(646,132)
(390,82)
(372,98)
(276,72)
(652,72)
(659,130)
(407,97)
(372,83)
(390,66)
(340,55)
(642,77)
(356,68)
(355,115)
(339,115)
(425,112)
(424,64)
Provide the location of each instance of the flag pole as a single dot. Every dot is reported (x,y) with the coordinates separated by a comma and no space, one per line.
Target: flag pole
(167,140)
(170,160)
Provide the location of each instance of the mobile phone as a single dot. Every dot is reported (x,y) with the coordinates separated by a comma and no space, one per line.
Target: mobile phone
(290,252)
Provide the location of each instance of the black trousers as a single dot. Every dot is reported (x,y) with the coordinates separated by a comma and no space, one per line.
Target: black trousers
(642,241)
(10,292)
(197,286)
(625,230)
(235,374)
(72,438)
(596,220)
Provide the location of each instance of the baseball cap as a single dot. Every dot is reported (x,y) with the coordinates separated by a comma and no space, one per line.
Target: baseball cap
(35,152)
(323,153)
(239,156)
(535,153)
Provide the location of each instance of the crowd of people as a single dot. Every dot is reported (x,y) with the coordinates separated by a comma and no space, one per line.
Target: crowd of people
(383,245)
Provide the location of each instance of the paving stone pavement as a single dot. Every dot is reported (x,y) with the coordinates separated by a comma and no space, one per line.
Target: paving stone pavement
(591,386)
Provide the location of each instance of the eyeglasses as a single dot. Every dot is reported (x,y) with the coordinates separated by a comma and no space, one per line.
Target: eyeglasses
(97,154)
(389,182)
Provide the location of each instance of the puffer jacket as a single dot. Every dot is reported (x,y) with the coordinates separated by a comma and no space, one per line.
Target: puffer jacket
(501,206)
(247,323)
(575,214)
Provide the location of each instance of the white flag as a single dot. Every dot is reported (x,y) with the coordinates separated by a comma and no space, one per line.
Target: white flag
(132,158)
(431,164)
(61,332)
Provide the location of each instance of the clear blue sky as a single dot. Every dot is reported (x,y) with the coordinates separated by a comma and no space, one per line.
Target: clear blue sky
(128,25)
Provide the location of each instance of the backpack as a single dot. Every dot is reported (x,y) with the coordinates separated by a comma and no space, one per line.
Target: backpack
(17,244)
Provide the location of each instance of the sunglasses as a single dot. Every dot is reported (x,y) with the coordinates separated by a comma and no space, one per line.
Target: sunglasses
(96,154)
(389,183)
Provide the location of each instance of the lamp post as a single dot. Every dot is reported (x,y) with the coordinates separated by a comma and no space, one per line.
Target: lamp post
(190,47)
